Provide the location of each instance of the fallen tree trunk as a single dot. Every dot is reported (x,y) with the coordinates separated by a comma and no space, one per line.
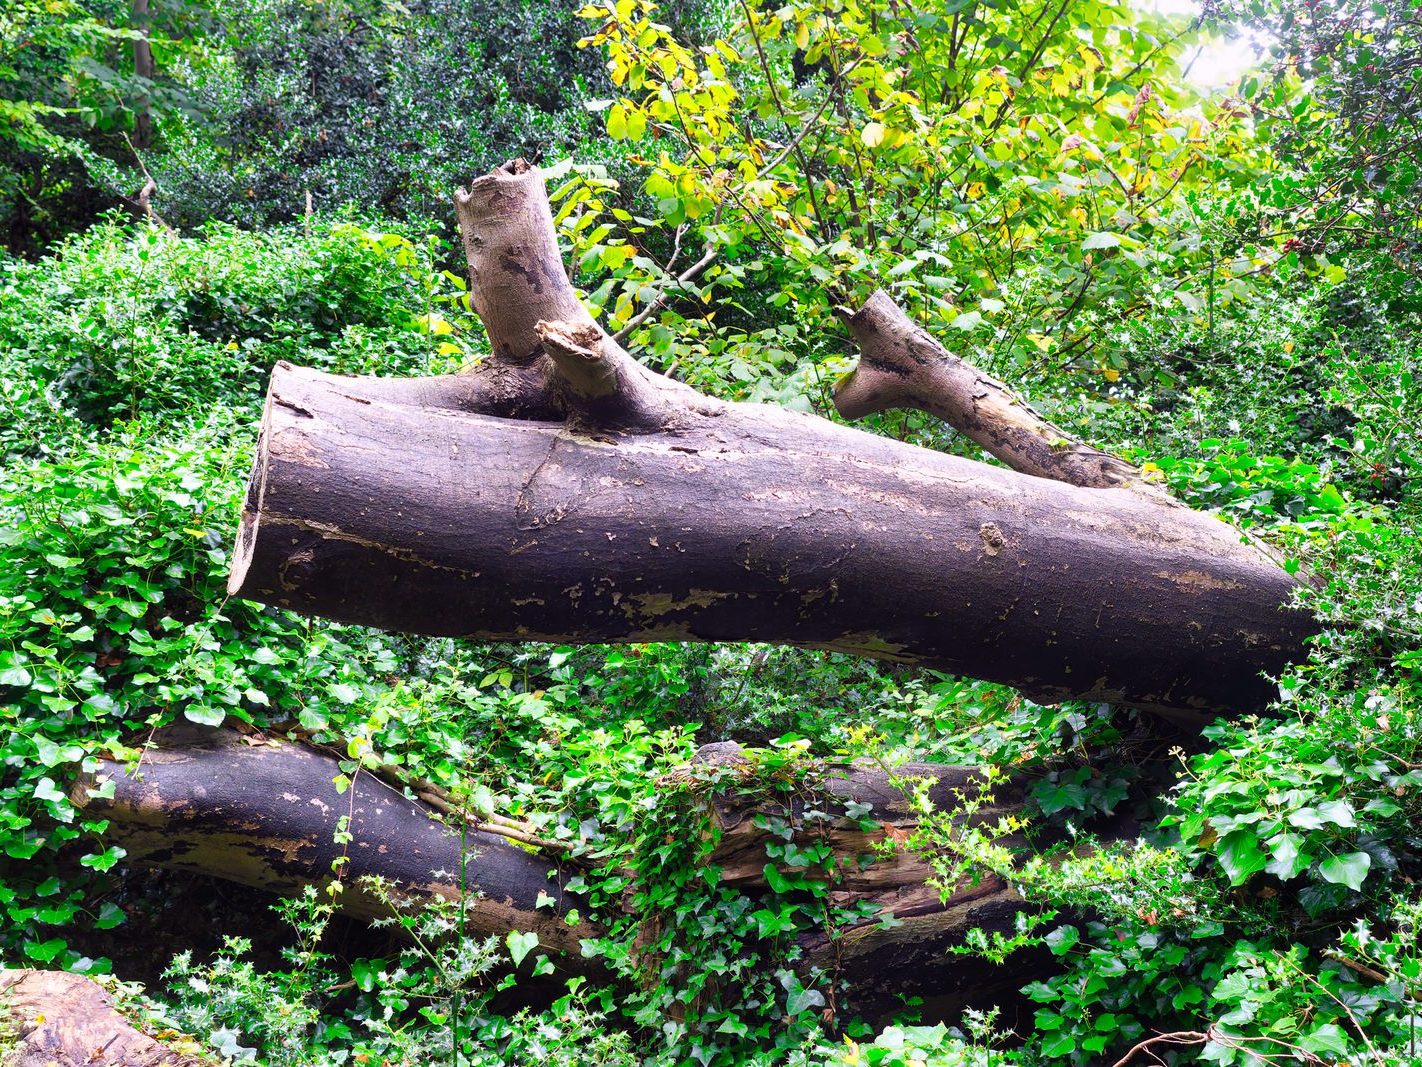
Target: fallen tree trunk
(56,1019)
(266,813)
(752,524)
(563,493)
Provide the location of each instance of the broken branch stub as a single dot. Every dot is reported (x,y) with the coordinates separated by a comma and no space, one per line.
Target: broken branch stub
(902,365)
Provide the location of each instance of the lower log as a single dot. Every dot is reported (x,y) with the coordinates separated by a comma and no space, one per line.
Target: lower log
(394,505)
(56,1019)
(266,814)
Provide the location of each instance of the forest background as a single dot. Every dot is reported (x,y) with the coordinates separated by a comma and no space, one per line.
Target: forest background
(1220,284)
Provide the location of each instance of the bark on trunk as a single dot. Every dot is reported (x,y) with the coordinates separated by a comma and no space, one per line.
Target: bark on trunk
(750,524)
(562,492)
(265,813)
(55,1019)
(143,70)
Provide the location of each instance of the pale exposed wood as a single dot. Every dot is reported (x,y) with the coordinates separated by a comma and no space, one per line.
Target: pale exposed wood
(56,1019)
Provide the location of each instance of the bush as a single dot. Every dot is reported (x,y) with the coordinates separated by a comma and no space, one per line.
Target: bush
(127,321)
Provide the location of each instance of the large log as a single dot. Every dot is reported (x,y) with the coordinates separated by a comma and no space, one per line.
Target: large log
(564,493)
(267,813)
(751,524)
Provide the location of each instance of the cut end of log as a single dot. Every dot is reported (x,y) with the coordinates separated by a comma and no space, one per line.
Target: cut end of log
(246,541)
(56,1018)
(575,346)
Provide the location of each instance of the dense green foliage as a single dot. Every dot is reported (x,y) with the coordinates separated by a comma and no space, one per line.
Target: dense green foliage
(1226,295)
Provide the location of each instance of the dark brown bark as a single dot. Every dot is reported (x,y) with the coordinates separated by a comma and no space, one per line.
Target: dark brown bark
(561,492)
(55,1019)
(750,524)
(265,813)
(143,69)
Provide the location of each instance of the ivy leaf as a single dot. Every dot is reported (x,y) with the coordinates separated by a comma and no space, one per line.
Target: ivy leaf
(801,999)
(778,882)
(45,789)
(204,715)
(1337,812)
(364,972)
(1061,940)
(1348,869)
(520,945)
(45,951)
(1289,859)
(1240,855)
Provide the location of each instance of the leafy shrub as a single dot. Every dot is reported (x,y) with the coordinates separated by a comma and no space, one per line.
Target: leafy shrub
(133,320)
(387,107)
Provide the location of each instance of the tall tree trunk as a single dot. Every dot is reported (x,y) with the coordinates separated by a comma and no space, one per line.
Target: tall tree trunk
(143,70)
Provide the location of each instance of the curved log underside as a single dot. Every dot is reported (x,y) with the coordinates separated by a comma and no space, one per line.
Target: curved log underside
(267,814)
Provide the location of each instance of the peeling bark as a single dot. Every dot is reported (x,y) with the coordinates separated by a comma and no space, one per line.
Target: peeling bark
(56,1019)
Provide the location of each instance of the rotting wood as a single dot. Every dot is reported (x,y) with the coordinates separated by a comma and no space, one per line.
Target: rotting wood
(58,1019)
(266,813)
